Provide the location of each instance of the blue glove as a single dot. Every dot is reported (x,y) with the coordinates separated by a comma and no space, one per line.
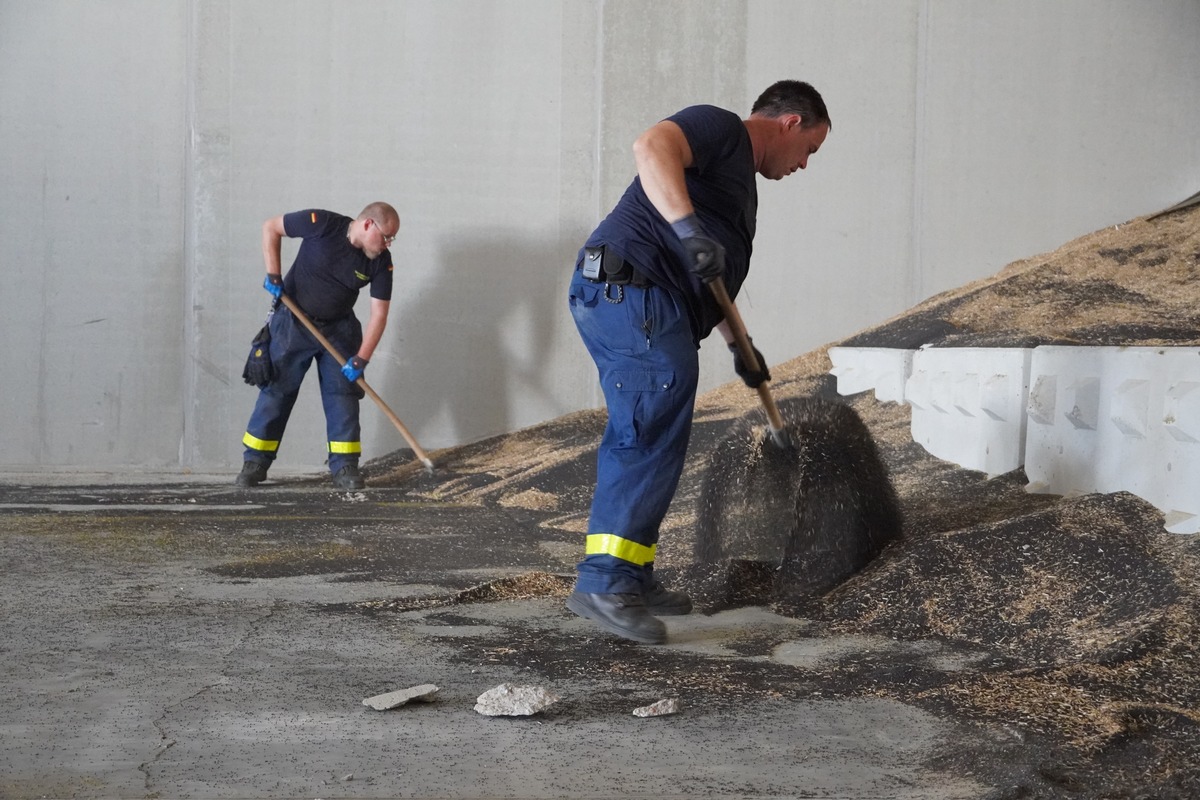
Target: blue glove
(274,285)
(706,256)
(354,369)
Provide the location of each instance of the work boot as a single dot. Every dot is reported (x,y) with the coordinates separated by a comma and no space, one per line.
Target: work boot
(253,473)
(348,478)
(623,614)
(664,602)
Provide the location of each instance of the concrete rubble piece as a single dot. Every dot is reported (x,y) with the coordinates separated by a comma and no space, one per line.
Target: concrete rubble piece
(662,708)
(389,700)
(507,700)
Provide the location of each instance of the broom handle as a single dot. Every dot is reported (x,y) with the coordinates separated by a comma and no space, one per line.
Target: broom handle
(742,339)
(362,383)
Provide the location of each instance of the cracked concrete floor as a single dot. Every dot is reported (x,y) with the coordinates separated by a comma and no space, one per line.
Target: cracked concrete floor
(224,651)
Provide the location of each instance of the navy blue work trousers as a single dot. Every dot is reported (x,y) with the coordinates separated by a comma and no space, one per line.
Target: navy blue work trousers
(648,367)
(293,349)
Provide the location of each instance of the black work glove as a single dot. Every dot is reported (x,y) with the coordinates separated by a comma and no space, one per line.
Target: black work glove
(753,378)
(259,371)
(706,256)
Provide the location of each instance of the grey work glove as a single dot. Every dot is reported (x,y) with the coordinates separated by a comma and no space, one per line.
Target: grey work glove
(753,378)
(706,256)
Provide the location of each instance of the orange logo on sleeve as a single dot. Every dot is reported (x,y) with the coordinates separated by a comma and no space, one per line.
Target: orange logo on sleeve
(314,217)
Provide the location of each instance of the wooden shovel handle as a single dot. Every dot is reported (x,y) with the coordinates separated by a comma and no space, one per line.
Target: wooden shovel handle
(733,319)
(362,383)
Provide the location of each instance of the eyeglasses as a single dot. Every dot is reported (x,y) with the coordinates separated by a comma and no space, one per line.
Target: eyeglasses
(387,240)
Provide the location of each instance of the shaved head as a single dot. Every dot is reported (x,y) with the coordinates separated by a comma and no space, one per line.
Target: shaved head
(381,212)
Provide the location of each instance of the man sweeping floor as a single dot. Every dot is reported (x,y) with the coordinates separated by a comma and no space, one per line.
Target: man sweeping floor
(338,256)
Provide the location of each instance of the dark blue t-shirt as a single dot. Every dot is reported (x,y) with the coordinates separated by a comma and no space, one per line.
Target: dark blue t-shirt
(721,184)
(329,271)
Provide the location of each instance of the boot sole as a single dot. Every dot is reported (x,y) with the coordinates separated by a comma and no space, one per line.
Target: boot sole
(586,611)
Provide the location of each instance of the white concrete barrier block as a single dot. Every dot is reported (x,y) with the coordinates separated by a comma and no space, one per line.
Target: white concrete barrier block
(1107,419)
(969,405)
(1081,419)
(883,369)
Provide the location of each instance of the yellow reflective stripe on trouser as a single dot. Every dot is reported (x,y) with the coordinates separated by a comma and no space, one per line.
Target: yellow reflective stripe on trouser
(345,448)
(254,443)
(609,544)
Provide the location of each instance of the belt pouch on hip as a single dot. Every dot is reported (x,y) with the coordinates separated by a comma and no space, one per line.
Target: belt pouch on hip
(603,264)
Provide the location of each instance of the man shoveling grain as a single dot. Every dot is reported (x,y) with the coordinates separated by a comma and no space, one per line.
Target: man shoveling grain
(640,303)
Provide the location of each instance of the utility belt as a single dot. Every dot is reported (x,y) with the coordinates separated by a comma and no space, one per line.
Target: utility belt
(602,264)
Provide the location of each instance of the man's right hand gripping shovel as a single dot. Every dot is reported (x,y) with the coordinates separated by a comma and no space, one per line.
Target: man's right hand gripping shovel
(708,262)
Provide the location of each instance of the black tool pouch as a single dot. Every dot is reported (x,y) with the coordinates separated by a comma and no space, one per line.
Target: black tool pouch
(603,265)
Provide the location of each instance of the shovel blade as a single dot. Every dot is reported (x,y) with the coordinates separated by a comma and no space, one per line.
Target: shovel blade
(821,505)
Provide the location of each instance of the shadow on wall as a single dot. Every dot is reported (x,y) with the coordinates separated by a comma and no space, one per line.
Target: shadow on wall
(477,339)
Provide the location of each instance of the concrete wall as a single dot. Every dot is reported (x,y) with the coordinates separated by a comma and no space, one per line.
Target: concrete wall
(143,142)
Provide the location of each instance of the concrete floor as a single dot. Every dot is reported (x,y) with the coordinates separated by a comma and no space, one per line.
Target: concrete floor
(194,640)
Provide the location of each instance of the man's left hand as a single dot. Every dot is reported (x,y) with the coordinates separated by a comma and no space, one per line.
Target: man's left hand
(354,369)
(273,284)
(753,378)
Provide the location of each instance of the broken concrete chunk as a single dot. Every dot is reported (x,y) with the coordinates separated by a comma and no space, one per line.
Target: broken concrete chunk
(507,700)
(382,702)
(660,709)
